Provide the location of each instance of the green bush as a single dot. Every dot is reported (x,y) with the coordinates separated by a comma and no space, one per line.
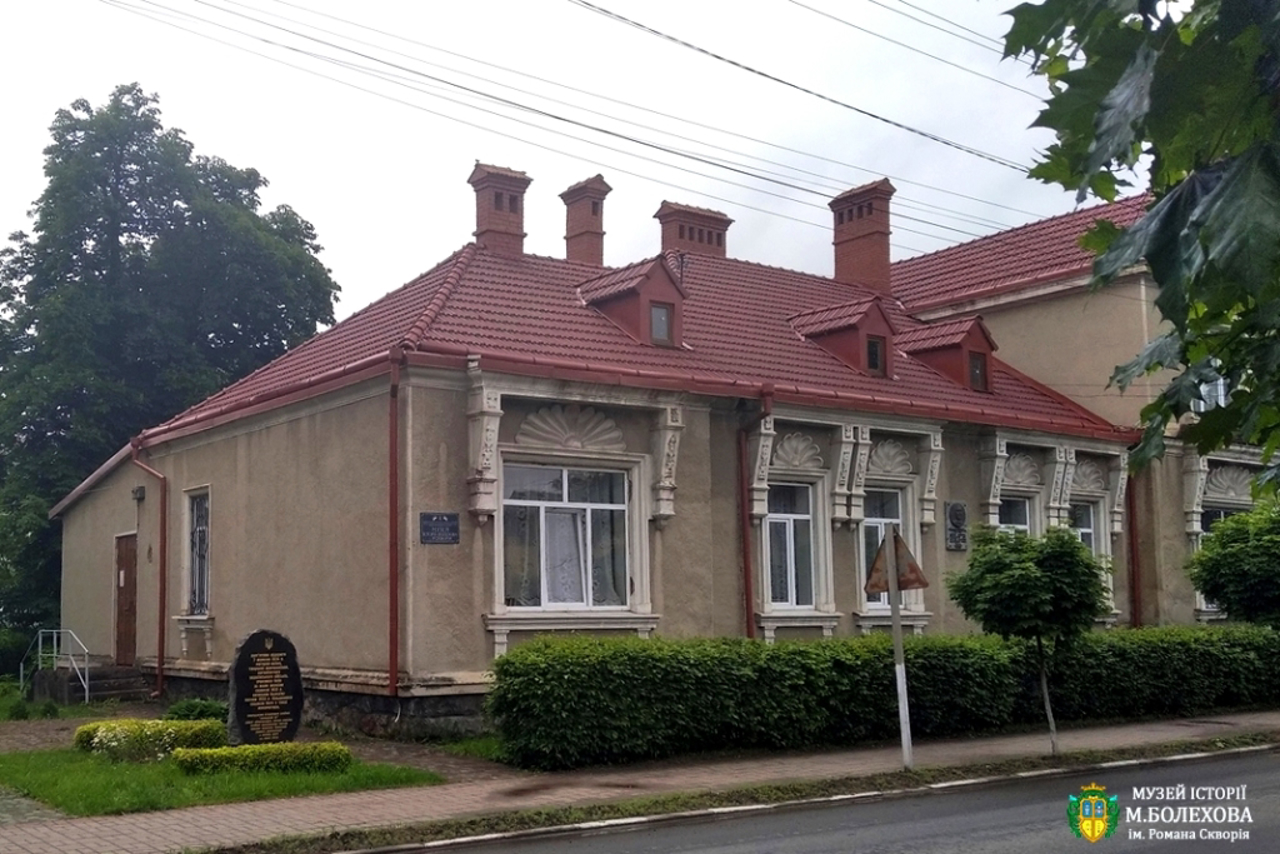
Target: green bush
(19,711)
(284,757)
(49,709)
(569,702)
(133,740)
(197,710)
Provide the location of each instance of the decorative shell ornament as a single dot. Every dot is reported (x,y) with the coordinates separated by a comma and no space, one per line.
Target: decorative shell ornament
(1229,482)
(797,451)
(889,457)
(572,427)
(1088,477)
(1021,470)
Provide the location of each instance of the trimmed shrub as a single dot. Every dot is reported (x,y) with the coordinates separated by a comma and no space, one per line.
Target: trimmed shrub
(197,710)
(19,711)
(48,709)
(133,740)
(284,757)
(568,702)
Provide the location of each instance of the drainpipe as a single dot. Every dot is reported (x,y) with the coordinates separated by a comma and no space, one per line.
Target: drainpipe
(164,564)
(744,509)
(1135,574)
(396,356)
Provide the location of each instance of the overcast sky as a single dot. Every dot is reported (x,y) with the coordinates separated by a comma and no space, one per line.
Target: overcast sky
(378,161)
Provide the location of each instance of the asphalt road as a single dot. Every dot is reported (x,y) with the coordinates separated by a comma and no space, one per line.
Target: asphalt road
(1026,817)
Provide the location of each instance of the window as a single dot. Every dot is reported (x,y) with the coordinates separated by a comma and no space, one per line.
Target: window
(595,208)
(881,508)
(875,355)
(198,565)
(1082,516)
(978,371)
(513,203)
(660,323)
(564,537)
(1015,514)
(497,201)
(1208,517)
(789,545)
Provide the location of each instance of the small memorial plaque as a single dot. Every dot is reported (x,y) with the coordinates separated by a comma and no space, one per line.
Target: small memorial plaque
(266,690)
(438,528)
(957,526)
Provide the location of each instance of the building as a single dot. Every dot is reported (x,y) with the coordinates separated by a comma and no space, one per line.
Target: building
(1031,287)
(512,444)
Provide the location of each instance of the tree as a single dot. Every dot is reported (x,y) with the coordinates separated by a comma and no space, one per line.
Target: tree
(1238,565)
(1187,98)
(1047,589)
(151,279)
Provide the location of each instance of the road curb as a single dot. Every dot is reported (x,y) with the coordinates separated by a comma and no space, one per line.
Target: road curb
(714,813)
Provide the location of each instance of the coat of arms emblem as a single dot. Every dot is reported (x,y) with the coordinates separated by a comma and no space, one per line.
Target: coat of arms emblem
(1092,814)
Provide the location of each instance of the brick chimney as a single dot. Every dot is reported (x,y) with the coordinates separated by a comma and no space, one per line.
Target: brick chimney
(499,208)
(584,220)
(862,235)
(691,229)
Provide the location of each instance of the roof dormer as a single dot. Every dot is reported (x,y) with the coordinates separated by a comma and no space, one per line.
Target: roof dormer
(858,333)
(644,300)
(958,349)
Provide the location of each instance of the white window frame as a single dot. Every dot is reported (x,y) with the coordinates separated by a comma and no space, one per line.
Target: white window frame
(1032,528)
(189,568)
(1097,504)
(542,506)
(881,600)
(788,521)
(1206,610)
(912,600)
(819,484)
(1214,394)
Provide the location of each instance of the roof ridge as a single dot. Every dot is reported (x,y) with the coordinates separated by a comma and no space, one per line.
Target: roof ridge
(1030,224)
(460,262)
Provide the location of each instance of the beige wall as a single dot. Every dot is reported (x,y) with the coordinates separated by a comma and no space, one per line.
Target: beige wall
(1073,341)
(299,539)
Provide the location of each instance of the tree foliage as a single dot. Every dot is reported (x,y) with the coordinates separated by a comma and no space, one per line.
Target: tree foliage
(1238,565)
(1186,96)
(151,278)
(1047,590)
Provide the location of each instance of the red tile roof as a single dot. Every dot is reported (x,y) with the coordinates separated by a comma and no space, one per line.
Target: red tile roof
(946,333)
(523,314)
(616,282)
(832,318)
(1009,260)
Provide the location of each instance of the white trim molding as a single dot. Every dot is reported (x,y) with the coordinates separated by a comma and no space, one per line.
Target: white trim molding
(771,621)
(502,625)
(665,447)
(484,413)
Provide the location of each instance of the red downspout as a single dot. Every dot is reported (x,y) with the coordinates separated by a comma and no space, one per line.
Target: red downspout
(1135,574)
(744,510)
(164,564)
(396,355)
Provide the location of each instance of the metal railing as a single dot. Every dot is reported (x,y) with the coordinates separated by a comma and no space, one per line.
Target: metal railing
(54,646)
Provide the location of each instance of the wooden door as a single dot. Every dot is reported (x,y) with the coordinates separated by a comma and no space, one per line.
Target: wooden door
(126,599)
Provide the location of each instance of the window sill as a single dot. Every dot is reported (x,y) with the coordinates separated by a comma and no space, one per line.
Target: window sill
(188,623)
(552,621)
(1107,620)
(914,620)
(1210,615)
(797,619)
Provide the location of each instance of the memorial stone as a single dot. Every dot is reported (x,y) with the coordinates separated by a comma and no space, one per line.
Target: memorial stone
(266,690)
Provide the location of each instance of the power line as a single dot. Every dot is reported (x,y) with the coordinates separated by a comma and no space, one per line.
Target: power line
(958,26)
(549,115)
(682,119)
(829,189)
(123,6)
(913,49)
(967,149)
(951,33)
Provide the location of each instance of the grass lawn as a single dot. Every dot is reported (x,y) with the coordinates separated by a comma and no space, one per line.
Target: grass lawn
(9,698)
(80,783)
(477,747)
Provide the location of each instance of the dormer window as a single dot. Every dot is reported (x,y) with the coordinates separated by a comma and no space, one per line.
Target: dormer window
(875,355)
(660,323)
(978,372)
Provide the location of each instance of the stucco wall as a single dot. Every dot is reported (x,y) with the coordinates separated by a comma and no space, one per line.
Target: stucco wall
(1073,342)
(297,515)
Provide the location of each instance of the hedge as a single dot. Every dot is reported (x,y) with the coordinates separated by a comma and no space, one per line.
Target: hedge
(197,710)
(569,702)
(135,740)
(284,757)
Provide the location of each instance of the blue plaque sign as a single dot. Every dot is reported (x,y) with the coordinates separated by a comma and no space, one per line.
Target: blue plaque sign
(438,528)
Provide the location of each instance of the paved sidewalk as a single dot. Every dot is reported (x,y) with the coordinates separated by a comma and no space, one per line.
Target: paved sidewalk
(232,824)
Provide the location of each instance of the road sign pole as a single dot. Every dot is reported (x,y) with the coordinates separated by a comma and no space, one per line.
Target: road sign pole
(899,659)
